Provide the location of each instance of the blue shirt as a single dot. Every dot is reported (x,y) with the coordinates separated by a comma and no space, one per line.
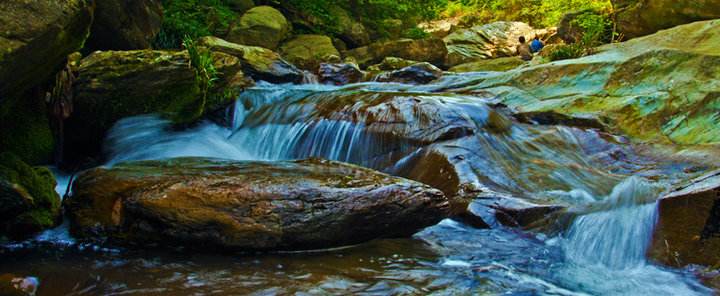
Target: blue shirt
(536,45)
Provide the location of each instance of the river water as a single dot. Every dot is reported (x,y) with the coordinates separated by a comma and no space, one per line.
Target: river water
(602,251)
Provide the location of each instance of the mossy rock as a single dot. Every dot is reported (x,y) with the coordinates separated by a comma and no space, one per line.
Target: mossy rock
(28,201)
(26,129)
(240,6)
(391,64)
(637,18)
(125,25)
(262,26)
(258,62)
(430,50)
(36,37)
(309,51)
(117,84)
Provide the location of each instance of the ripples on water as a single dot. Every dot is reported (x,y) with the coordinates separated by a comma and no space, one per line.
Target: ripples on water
(602,253)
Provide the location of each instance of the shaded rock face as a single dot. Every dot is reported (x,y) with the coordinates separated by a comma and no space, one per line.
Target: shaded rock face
(633,86)
(309,51)
(241,6)
(262,26)
(257,62)
(495,65)
(421,73)
(216,204)
(688,228)
(424,50)
(125,24)
(340,74)
(35,39)
(116,84)
(568,30)
(639,18)
(28,202)
(489,41)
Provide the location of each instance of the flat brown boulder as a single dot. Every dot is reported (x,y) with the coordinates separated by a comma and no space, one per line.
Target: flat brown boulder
(688,228)
(228,205)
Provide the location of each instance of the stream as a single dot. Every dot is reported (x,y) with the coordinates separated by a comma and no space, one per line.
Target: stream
(601,252)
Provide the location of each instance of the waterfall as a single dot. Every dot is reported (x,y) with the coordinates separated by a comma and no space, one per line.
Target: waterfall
(605,250)
(618,236)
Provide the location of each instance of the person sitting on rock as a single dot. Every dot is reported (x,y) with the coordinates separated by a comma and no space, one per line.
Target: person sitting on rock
(523,50)
(536,45)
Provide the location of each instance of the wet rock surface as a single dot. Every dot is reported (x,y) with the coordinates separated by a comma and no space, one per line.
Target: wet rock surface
(639,18)
(429,50)
(340,74)
(688,228)
(216,204)
(421,73)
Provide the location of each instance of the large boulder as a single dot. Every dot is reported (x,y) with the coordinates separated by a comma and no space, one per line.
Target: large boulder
(659,88)
(35,39)
(28,201)
(637,18)
(498,39)
(262,26)
(495,65)
(117,84)
(257,62)
(391,64)
(125,25)
(340,74)
(309,51)
(216,204)
(420,73)
(688,227)
(424,50)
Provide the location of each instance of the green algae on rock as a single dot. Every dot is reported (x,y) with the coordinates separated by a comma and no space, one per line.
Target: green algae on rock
(262,26)
(662,88)
(257,62)
(230,205)
(309,51)
(28,201)
(495,65)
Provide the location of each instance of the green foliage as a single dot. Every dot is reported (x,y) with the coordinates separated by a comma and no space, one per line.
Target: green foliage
(194,18)
(596,27)
(416,33)
(202,63)
(566,51)
(538,13)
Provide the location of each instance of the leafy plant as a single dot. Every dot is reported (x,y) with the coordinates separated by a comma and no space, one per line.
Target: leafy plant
(566,51)
(194,18)
(416,33)
(202,63)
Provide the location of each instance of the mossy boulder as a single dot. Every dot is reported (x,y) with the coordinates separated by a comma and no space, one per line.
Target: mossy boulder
(309,51)
(491,65)
(26,129)
(117,84)
(125,25)
(688,228)
(35,39)
(430,50)
(663,88)
(258,62)
(498,39)
(262,26)
(28,201)
(210,204)
(637,18)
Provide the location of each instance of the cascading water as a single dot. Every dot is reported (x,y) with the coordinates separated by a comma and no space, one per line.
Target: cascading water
(605,250)
(389,127)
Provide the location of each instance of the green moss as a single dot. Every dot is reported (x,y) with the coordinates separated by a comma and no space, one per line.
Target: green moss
(26,130)
(40,184)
